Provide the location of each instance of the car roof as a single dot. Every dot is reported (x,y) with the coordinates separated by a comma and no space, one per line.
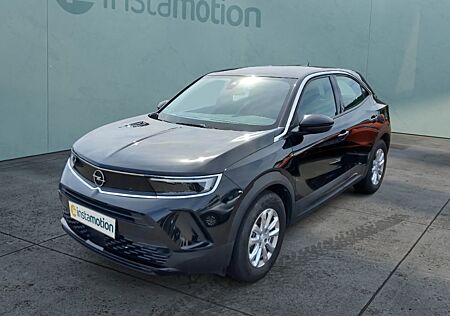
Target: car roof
(295,72)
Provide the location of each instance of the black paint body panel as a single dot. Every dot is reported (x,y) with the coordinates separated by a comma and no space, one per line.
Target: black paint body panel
(197,234)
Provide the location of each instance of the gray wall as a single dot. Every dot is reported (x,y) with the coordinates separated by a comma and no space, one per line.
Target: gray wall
(63,74)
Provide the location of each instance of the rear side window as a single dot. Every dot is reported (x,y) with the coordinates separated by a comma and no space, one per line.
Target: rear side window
(351,92)
(317,98)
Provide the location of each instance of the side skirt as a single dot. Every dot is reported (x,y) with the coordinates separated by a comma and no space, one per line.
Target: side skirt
(305,206)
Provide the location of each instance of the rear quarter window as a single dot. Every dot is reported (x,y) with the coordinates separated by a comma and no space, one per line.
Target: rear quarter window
(352,94)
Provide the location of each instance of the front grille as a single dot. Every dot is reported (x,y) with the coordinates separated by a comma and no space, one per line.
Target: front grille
(121,246)
(113,180)
(102,207)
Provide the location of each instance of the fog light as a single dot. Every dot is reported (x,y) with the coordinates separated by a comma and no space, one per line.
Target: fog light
(211,220)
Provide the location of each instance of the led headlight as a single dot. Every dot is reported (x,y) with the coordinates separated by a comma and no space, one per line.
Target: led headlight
(72,159)
(184,186)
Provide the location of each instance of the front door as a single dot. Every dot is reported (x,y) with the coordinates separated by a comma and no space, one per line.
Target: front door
(318,162)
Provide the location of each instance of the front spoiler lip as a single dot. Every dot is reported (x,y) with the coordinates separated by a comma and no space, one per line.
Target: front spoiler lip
(124,262)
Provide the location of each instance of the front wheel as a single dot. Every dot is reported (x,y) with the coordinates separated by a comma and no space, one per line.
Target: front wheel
(259,240)
(376,169)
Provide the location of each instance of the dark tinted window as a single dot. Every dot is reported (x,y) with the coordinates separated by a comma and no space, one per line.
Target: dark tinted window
(317,98)
(352,93)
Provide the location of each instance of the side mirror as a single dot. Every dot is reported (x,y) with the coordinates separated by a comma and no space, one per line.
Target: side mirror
(161,104)
(315,123)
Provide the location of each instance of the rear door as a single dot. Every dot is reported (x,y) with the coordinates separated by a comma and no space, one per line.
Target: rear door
(358,111)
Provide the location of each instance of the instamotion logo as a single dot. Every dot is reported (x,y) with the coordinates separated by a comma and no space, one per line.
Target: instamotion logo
(76,6)
(220,12)
(73,211)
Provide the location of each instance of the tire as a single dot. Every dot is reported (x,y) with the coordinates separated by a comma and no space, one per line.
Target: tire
(242,268)
(367,185)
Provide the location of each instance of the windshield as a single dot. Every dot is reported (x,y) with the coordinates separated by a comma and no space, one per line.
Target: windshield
(231,102)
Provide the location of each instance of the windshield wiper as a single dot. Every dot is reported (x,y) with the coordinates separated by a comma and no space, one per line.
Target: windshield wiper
(155,116)
(192,124)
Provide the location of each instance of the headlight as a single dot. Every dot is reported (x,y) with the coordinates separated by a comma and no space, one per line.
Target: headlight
(184,186)
(72,159)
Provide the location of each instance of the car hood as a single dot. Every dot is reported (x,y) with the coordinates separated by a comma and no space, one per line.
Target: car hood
(142,144)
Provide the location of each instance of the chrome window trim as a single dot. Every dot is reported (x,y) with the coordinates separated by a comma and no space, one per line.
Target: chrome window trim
(143,196)
(300,90)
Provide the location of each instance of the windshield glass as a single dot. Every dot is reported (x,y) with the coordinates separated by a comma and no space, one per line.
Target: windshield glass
(231,102)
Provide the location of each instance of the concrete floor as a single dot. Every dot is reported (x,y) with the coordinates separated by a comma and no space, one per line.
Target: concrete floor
(387,253)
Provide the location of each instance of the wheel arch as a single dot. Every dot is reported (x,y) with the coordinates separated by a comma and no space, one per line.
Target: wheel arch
(386,137)
(275,181)
(285,196)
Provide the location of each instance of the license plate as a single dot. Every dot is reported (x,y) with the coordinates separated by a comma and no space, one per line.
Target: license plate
(101,223)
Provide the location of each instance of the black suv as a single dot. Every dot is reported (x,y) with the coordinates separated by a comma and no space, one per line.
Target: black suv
(209,182)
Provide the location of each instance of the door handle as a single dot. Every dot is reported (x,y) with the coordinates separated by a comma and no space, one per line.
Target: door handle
(343,134)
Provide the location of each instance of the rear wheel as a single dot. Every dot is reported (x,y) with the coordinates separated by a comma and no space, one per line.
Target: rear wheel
(259,240)
(376,169)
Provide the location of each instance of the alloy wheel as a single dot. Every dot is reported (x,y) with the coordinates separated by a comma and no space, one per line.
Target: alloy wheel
(263,238)
(377,166)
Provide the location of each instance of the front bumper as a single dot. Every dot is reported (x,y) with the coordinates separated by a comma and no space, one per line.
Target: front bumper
(156,236)
(121,260)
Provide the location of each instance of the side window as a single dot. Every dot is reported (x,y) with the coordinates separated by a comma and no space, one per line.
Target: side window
(351,92)
(317,98)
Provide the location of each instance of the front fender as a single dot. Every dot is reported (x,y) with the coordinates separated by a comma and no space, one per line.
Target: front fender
(253,190)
